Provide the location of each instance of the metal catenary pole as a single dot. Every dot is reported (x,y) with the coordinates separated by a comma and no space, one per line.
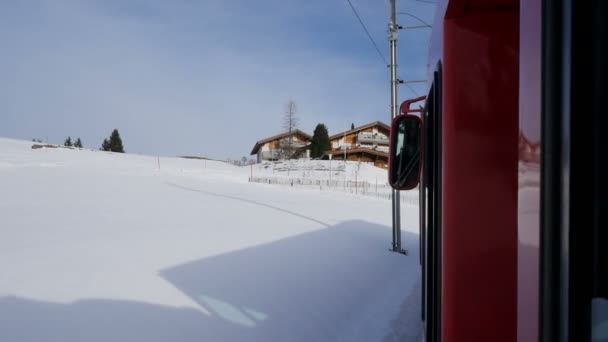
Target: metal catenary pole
(393,29)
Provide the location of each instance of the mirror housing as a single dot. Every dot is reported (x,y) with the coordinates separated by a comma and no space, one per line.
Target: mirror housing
(405,152)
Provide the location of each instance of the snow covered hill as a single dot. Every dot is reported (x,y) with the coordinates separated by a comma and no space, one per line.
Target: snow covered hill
(98,246)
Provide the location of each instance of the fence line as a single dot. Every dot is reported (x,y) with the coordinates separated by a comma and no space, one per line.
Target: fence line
(360,188)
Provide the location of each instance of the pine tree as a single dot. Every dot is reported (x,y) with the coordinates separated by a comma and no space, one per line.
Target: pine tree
(116,142)
(320,141)
(78,143)
(68,142)
(352,126)
(105,146)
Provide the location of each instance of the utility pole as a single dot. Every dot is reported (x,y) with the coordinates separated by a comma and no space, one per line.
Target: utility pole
(393,30)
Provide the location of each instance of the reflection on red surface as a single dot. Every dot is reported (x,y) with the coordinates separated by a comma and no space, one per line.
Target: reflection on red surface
(528,221)
(479,184)
(528,211)
(528,152)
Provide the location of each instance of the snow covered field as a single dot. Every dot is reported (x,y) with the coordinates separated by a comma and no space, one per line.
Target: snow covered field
(99,246)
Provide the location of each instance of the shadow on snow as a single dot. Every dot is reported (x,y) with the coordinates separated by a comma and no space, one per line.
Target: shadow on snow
(328,285)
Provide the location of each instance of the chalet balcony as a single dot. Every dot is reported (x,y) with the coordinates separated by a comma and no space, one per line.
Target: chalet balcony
(283,154)
(342,147)
(372,138)
(380,148)
(284,143)
(272,155)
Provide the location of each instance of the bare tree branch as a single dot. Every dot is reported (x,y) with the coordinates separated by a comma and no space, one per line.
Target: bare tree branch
(290,120)
(290,123)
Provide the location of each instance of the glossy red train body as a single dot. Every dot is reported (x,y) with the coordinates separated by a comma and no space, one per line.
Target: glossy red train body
(497,206)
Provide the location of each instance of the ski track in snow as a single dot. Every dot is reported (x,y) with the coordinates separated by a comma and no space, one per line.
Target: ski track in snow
(100,246)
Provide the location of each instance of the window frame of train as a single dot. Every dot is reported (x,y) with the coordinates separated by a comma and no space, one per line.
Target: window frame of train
(430,218)
(573,278)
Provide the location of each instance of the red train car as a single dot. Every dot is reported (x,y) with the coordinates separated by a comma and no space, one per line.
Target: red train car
(507,153)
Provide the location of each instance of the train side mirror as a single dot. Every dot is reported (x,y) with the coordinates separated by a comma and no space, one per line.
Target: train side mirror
(405,152)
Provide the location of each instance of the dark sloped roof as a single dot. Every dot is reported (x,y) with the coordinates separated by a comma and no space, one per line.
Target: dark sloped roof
(259,143)
(360,128)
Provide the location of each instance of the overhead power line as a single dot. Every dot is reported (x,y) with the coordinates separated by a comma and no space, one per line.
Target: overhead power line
(411,89)
(367,32)
(425,24)
(371,39)
(415,17)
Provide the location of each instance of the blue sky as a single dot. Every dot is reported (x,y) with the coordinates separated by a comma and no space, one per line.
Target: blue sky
(206,77)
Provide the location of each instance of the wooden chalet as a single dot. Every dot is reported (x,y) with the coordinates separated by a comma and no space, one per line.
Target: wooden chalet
(288,145)
(368,143)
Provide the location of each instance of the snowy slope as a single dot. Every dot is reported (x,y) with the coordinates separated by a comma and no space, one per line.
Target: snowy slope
(99,246)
